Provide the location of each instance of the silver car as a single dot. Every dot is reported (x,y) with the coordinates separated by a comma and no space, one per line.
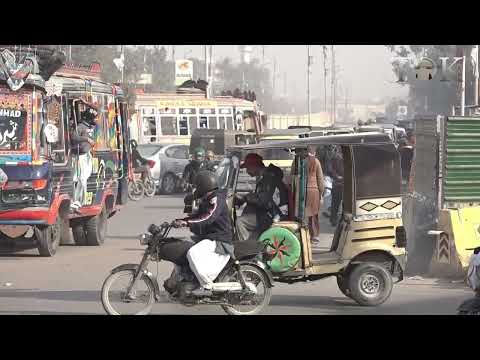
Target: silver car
(170,161)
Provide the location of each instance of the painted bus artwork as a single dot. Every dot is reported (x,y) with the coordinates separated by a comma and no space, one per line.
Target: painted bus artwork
(40,109)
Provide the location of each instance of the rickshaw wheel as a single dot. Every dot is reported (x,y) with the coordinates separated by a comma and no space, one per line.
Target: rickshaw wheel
(48,238)
(370,284)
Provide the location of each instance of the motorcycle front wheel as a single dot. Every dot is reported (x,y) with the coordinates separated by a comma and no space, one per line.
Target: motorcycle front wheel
(248,304)
(135,190)
(115,301)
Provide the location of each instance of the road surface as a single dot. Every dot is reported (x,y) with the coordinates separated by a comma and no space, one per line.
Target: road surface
(70,282)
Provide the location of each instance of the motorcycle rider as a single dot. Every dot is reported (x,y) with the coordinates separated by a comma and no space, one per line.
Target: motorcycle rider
(212,231)
(140,164)
(210,161)
(194,166)
(265,203)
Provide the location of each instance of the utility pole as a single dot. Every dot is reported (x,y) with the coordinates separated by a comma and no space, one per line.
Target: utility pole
(325,74)
(212,66)
(309,104)
(69,53)
(207,95)
(263,55)
(475,72)
(285,84)
(122,55)
(333,85)
(274,74)
(463,87)
(173,53)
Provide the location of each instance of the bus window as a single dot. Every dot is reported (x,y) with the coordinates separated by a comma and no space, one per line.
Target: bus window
(150,126)
(56,115)
(229,120)
(183,126)
(99,133)
(192,123)
(212,122)
(221,121)
(203,122)
(168,125)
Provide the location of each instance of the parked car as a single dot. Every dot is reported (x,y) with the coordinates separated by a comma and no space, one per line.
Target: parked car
(170,160)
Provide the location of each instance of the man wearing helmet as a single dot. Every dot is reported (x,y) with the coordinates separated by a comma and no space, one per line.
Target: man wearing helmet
(212,231)
(210,161)
(194,166)
(83,141)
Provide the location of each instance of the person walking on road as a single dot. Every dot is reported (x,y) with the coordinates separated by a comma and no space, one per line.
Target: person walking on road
(315,188)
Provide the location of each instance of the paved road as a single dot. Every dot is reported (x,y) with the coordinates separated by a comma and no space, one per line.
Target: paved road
(70,282)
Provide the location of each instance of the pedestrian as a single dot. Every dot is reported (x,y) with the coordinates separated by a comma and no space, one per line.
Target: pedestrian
(315,188)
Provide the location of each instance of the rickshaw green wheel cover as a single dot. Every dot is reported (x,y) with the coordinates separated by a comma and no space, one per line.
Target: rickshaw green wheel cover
(286,247)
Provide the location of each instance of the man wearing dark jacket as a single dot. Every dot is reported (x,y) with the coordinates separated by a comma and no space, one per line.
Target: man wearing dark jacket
(194,166)
(263,205)
(212,228)
(82,143)
(139,163)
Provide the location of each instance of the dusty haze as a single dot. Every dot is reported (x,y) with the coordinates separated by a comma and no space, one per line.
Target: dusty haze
(364,70)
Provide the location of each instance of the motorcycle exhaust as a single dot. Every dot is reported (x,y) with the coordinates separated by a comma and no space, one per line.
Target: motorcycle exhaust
(233,287)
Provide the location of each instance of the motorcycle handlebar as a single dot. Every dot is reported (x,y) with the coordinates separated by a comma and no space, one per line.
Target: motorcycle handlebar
(154,229)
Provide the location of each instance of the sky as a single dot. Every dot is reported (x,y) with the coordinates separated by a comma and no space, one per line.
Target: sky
(364,71)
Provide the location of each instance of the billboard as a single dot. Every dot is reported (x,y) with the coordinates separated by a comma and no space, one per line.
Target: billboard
(183,71)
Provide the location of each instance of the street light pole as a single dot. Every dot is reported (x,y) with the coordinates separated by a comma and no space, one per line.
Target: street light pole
(308,86)
(463,87)
(325,74)
(206,73)
(475,72)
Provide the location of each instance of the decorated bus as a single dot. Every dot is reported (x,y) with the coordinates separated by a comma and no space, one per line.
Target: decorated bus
(42,171)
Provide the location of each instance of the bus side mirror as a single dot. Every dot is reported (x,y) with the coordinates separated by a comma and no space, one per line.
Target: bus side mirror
(51,133)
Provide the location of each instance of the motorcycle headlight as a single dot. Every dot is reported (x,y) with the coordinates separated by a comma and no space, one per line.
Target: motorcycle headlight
(144,239)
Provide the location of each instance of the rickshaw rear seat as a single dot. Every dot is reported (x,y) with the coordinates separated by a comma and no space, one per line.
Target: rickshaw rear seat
(290,225)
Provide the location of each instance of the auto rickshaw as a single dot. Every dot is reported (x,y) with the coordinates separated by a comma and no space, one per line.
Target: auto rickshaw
(368,250)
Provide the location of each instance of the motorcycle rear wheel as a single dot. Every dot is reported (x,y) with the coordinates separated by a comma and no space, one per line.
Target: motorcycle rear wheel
(248,305)
(149,187)
(114,300)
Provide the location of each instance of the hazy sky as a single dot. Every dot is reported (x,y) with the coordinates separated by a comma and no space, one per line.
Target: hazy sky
(365,70)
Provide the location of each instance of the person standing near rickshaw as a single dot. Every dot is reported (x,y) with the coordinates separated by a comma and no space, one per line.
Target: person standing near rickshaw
(261,207)
(315,188)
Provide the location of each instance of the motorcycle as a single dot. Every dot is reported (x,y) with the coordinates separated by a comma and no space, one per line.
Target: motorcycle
(137,187)
(242,288)
(472,306)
